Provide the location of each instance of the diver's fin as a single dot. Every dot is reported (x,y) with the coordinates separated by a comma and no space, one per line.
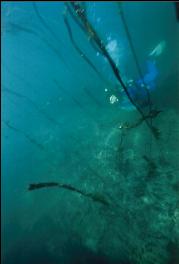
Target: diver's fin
(158,50)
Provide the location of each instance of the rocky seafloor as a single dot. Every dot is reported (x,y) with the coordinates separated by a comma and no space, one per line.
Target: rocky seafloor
(137,174)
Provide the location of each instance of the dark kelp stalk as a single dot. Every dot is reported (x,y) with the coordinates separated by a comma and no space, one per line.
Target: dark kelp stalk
(96,197)
(77,12)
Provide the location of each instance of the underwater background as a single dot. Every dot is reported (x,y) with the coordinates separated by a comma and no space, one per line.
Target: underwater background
(68,121)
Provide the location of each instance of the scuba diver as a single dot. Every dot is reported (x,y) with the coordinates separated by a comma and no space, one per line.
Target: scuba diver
(138,88)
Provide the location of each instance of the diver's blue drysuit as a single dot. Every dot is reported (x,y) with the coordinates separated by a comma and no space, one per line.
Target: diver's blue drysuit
(137,90)
(150,76)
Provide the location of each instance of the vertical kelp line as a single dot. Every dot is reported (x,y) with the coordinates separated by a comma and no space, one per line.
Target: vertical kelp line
(134,53)
(43,22)
(46,26)
(82,27)
(121,12)
(81,53)
(84,56)
(92,34)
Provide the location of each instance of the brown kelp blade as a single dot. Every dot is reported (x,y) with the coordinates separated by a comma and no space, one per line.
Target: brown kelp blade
(97,197)
(35,186)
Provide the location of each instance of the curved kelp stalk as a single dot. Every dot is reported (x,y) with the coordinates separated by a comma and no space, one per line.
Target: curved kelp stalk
(91,96)
(43,22)
(29,138)
(75,101)
(92,34)
(151,116)
(15,28)
(96,197)
(31,102)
